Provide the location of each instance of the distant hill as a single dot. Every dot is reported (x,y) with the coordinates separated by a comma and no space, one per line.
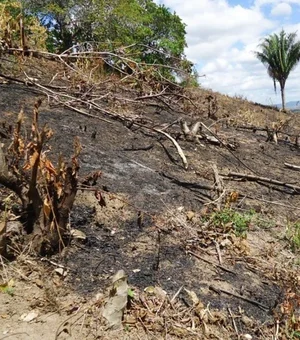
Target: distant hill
(293,105)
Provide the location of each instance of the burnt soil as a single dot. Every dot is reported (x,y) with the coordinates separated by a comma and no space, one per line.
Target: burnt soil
(155,216)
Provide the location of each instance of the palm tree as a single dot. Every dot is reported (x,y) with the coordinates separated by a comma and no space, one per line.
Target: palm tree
(280,54)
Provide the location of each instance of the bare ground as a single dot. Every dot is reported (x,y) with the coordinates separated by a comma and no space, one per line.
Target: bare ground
(155,227)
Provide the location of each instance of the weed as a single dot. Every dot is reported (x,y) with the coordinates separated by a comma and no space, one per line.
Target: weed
(293,235)
(8,287)
(238,222)
(263,223)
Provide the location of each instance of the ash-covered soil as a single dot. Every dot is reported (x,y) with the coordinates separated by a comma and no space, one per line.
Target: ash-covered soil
(153,223)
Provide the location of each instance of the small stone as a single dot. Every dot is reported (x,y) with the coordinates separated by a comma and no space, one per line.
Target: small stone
(246,336)
(247,321)
(27,317)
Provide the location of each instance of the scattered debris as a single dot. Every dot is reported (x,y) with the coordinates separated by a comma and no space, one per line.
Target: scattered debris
(118,297)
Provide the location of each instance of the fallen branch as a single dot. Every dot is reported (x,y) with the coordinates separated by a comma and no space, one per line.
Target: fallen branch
(226,146)
(55,96)
(177,146)
(141,148)
(188,185)
(292,166)
(295,188)
(264,129)
(292,207)
(211,263)
(253,302)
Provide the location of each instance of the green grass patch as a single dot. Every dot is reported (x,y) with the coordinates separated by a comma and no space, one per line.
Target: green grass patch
(293,235)
(233,220)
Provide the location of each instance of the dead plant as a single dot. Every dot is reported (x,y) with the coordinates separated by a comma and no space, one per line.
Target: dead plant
(46,192)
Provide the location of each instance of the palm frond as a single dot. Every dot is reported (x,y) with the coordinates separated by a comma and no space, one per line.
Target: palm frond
(280,53)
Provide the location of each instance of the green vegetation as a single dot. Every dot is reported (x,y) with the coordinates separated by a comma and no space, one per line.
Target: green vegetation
(8,287)
(13,24)
(293,235)
(280,54)
(238,222)
(154,34)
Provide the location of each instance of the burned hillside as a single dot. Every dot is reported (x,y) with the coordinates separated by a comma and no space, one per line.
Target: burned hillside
(197,201)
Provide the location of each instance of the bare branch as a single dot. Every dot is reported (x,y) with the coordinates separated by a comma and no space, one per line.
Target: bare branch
(179,150)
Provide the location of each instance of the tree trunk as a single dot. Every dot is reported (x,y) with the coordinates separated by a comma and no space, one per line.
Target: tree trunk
(282,96)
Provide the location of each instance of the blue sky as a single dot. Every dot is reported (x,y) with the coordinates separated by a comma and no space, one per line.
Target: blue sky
(222,36)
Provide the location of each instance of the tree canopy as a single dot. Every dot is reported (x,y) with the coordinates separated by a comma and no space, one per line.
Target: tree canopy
(158,34)
(13,23)
(280,53)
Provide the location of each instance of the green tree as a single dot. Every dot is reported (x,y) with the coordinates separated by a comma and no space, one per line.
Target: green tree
(60,17)
(158,34)
(280,53)
(17,29)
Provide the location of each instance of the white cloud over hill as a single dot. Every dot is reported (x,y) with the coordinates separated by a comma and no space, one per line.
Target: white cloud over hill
(222,36)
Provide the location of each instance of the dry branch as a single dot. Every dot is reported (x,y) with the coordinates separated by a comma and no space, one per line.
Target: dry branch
(292,166)
(219,185)
(253,302)
(189,185)
(211,263)
(178,148)
(245,177)
(226,146)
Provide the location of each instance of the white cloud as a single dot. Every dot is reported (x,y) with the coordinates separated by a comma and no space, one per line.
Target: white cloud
(260,3)
(282,9)
(222,38)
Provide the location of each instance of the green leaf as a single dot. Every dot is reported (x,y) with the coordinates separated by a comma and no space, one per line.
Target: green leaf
(130,293)
(8,287)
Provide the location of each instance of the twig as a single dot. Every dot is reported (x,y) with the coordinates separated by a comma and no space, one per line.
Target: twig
(234,324)
(58,331)
(176,294)
(216,200)
(188,185)
(54,263)
(253,302)
(218,252)
(276,330)
(141,165)
(157,258)
(211,263)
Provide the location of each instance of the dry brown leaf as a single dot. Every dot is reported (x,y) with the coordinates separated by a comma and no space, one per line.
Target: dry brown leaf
(118,296)
(47,208)
(190,215)
(33,158)
(193,296)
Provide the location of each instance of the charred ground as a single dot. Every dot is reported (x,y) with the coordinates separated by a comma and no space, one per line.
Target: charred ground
(159,221)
